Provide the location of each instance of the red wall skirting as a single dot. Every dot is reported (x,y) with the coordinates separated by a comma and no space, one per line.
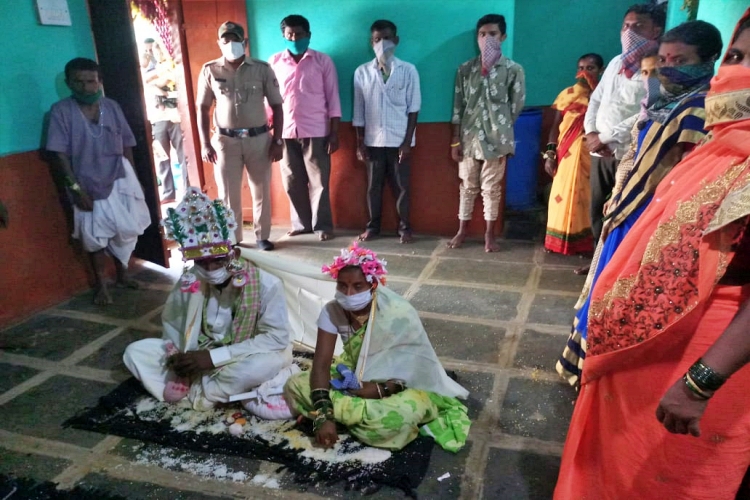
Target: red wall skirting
(40,265)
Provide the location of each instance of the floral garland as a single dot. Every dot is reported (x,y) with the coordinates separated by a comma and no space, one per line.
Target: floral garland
(364,258)
(156,12)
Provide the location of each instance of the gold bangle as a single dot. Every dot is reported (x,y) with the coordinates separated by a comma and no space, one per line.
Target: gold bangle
(455,144)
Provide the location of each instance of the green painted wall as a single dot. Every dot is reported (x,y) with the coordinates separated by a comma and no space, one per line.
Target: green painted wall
(723,14)
(548,42)
(34,58)
(436,36)
(675,14)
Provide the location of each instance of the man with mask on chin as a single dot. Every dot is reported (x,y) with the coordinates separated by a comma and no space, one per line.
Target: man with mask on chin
(225,323)
(238,86)
(312,113)
(93,147)
(386,103)
(613,104)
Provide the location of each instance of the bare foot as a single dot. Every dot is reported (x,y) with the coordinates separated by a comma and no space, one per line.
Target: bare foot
(406,237)
(581,270)
(457,240)
(127,283)
(102,296)
(366,236)
(297,232)
(490,244)
(323,236)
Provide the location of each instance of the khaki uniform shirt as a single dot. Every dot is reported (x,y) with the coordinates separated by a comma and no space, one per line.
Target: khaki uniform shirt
(487,107)
(239,94)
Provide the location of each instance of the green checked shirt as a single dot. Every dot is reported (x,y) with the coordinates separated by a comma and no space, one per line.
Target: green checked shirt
(487,107)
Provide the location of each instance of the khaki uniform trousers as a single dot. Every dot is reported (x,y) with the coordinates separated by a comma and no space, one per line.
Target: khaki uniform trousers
(251,152)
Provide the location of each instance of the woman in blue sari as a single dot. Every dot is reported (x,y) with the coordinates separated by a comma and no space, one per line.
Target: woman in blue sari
(668,131)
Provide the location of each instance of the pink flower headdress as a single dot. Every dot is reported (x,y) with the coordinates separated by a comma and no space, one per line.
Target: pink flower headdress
(364,258)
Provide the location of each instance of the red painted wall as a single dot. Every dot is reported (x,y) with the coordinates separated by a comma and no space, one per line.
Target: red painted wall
(40,264)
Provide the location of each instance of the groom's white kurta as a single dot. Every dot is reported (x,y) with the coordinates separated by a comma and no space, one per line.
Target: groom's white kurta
(241,366)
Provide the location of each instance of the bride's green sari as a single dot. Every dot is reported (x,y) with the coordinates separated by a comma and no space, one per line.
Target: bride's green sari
(391,422)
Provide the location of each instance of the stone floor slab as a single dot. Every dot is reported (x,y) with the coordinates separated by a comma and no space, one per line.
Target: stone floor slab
(50,337)
(491,273)
(479,385)
(537,409)
(29,465)
(467,341)
(400,287)
(387,245)
(550,309)
(443,462)
(109,356)
(467,302)
(142,490)
(539,350)
(519,475)
(128,304)
(42,410)
(558,259)
(561,280)
(510,251)
(14,375)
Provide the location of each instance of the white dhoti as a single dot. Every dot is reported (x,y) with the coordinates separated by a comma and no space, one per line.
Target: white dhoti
(115,222)
(146,361)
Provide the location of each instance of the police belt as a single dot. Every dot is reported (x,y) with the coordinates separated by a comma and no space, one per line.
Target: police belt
(243,132)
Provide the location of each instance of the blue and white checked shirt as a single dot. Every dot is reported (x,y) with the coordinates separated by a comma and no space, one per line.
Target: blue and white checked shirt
(382,108)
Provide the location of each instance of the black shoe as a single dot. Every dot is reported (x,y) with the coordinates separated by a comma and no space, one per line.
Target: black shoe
(265,245)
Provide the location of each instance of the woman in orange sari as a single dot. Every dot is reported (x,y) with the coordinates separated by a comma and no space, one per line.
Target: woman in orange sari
(569,163)
(677,290)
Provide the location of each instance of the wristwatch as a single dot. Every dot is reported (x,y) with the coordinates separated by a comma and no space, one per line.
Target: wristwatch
(279,142)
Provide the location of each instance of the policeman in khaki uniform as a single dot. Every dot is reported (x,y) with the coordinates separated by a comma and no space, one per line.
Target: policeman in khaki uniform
(238,86)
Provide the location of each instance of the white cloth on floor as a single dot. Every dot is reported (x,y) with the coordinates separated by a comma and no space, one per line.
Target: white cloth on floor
(115,222)
(268,401)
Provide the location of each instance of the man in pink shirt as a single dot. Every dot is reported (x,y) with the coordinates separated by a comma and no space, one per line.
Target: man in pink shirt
(312,111)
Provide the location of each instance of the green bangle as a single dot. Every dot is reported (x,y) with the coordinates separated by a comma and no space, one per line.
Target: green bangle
(551,146)
(705,377)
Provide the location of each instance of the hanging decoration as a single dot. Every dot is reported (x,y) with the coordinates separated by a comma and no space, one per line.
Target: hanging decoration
(156,12)
(691,6)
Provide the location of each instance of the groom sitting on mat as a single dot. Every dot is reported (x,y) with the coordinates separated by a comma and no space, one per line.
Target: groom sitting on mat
(226,329)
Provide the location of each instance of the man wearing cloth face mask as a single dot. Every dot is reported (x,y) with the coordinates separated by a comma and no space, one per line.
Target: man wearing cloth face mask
(239,86)
(94,151)
(614,102)
(386,103)
(489,96)
(312,113)
(225,323)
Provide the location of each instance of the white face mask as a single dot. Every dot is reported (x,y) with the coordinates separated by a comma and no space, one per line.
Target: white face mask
(384,51)
(232,50)
(215,277)
(355,302)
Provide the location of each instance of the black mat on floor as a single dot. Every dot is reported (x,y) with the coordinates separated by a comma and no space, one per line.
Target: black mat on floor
(23,488)
(120,413)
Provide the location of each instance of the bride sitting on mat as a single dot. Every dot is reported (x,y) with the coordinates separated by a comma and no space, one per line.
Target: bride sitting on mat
(388,381)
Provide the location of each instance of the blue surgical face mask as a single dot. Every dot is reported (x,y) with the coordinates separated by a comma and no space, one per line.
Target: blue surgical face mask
(298,46)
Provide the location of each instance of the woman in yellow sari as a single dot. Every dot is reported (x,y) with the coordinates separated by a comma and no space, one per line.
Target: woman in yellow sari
(568,163)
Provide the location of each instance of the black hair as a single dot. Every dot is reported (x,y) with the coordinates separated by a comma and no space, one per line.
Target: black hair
(655,12)
(702,35)
(81,64)
(653,52)
(492,19)
(383,24)
(295,21)
(598,60)
(742,27)
(148,40)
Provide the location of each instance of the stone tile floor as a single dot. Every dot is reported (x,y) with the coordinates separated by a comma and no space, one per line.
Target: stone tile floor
(499,320)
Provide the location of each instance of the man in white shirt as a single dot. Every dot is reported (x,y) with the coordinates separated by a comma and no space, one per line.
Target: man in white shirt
(386,105)
(615,101)
(226,329)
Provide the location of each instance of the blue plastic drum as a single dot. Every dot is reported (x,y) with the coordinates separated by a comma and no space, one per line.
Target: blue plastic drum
(523,168)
